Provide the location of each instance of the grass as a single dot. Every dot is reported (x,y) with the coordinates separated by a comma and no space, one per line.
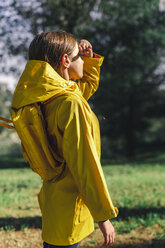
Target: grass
(136,188)
(160,235)
(18,193)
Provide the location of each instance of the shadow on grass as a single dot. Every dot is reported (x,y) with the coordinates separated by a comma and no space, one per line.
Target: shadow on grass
(157,244)
(153,244)
(125,213)
(35,222)
(9,223)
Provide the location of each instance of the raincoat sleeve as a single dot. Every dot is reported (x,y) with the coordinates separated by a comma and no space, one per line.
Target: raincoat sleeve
(91,75)
(80,154)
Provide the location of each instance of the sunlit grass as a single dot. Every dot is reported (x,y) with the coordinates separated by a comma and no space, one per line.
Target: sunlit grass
(137,190)
(18,192)
(136,186)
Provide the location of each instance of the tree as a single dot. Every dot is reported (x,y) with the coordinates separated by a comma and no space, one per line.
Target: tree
(130,34)
(15,34)
(133,43)
(21,20)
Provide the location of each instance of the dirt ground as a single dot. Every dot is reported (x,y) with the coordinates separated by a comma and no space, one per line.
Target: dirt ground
(31,238)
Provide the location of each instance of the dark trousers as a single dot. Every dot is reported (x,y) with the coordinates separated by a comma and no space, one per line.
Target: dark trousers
(45,245)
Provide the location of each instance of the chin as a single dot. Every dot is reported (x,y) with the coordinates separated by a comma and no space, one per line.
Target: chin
(80,76)
(77,76)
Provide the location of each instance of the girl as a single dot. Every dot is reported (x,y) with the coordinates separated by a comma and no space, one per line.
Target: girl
(61,76)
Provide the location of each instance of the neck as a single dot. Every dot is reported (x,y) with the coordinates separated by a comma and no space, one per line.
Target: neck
(63,73)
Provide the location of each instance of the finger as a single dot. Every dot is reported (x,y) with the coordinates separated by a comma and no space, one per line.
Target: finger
(85,42)
(79,46)
(90,46)
(106,240)
(81,49)
(85,49)
(111,240)
(85,45)
(82,43)
(114,237)
(90,52)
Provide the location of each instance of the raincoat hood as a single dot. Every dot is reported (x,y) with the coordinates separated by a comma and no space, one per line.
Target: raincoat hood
(38,83)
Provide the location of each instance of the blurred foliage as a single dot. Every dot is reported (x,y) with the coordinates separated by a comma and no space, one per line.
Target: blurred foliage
(131,35)
(5,102)
(9,141)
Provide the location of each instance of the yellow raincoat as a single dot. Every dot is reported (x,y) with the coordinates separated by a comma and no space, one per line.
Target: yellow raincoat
(70,204)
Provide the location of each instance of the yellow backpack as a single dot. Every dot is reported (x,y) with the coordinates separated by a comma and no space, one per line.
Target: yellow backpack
(29,124)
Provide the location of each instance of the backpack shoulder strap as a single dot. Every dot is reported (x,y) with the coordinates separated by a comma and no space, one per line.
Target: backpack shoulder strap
(6,125)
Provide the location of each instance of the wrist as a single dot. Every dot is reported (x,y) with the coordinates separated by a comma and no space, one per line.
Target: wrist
(102,221)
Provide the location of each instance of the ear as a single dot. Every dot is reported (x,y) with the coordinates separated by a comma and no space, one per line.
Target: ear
(66,61)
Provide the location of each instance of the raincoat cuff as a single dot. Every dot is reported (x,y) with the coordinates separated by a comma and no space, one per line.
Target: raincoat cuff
(108,215)
(95,56)
(93,61)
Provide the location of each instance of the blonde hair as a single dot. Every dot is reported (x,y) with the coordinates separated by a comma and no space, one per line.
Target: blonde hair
(51,46)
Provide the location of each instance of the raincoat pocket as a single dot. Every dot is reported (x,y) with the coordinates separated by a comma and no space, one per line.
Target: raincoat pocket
(81,211)
(84,212)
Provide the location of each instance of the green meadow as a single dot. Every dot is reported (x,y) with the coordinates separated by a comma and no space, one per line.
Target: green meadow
(137,188)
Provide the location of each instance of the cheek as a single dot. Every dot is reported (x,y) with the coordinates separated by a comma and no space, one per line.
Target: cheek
(78,67)
(81,65)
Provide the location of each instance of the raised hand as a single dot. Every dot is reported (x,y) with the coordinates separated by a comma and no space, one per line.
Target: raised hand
(85,48)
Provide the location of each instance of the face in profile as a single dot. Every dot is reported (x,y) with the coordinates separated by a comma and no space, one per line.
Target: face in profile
(76,67)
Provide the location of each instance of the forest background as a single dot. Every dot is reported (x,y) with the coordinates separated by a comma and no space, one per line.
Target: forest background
(130,34)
